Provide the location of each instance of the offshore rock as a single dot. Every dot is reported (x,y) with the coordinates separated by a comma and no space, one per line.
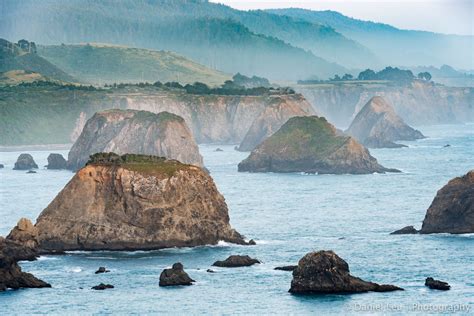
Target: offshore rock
(452,210)
(175,276)
(235,261)
(135,132)
(56,162)
(25,162)
(377,126)
(324,272)
(405,231)
(437,284)
(135,202)
(311,144)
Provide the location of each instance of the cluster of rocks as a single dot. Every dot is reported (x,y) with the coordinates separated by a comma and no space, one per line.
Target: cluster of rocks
(26,162)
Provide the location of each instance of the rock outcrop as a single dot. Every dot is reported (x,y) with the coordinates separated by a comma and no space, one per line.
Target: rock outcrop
(324,272)
(271,119)
(311,144)
(102,287)
(135,132)
(175,276)
(11,276)
(437,284)
(377,126)
(25,162)
(452,210)
(56,162)
(407,230)
(286,268)
(102,270)
(235,261)
(135,202)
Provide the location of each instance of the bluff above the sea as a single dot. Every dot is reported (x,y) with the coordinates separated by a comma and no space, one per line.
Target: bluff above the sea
(272,118)
(311,144)
(135,132)
(132,202)
(377,125)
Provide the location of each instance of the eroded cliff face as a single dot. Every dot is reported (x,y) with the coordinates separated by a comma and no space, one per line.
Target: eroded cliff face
(135,132)
(417,104)
(213,118)
(133,202)
(272,118)
(311,144)
(377,125)
(452,210)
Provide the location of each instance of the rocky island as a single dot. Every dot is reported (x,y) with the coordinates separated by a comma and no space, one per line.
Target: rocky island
(132,202)
(25,162)
(272,118)
(311,144)
(324,272)
(135,132)
(377,126)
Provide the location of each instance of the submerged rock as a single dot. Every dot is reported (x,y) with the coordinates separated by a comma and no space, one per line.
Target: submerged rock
(286,268)
(272,118)
(31,171)
(102,286)
(11,276)
(56,161)
(452,210)
(405,231)
(377,125)
(102,270)
(436,284)
(324,272)
(135,132)
(175,276)
(135,202)
(218,149)
(311,144)
(25,162)
(235,261)
(1,166)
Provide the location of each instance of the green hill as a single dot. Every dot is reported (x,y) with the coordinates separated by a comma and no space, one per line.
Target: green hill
(17,61)
(100,63)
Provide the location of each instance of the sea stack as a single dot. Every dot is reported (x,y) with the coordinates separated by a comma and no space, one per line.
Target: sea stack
(134,202)
(311,144)
(452,210)
(377,126)
(272,118)
(135,132)
(324,272)
(56,162)
(25,162)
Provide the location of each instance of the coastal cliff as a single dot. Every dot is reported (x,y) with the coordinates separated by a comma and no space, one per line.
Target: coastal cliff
(135,132)
(311,144)
(133,202)
(377,125)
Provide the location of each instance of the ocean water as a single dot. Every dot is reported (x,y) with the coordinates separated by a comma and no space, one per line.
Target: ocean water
(288,215)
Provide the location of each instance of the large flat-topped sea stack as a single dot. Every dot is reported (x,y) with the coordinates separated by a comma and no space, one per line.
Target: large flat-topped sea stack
(134,202)
(135,132)
(311,144)
(377,125)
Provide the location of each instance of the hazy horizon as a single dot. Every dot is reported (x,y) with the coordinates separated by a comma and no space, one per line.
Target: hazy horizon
(451,16)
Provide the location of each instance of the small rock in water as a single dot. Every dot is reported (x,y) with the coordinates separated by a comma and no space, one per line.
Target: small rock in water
(447,145)
(31,171)
(252,242)
(1,166)
(102,286)
(175,276)
(437,284)
(210,271)
(102,270)
(405,230)
(286,268)
(236,261)
(218,149)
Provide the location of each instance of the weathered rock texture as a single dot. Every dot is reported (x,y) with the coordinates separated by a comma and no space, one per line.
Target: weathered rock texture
(452,210)
(134,202)
(135,132)
(324,272)
(56,161)
(272,118)
(377,125)
(310,144)
(175,276)
(235,261)
(11,275)
(25,162)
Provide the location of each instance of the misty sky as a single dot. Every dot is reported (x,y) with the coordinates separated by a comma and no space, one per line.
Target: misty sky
(441,16)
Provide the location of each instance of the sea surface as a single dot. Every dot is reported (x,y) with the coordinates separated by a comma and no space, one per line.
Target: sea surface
(288,215)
